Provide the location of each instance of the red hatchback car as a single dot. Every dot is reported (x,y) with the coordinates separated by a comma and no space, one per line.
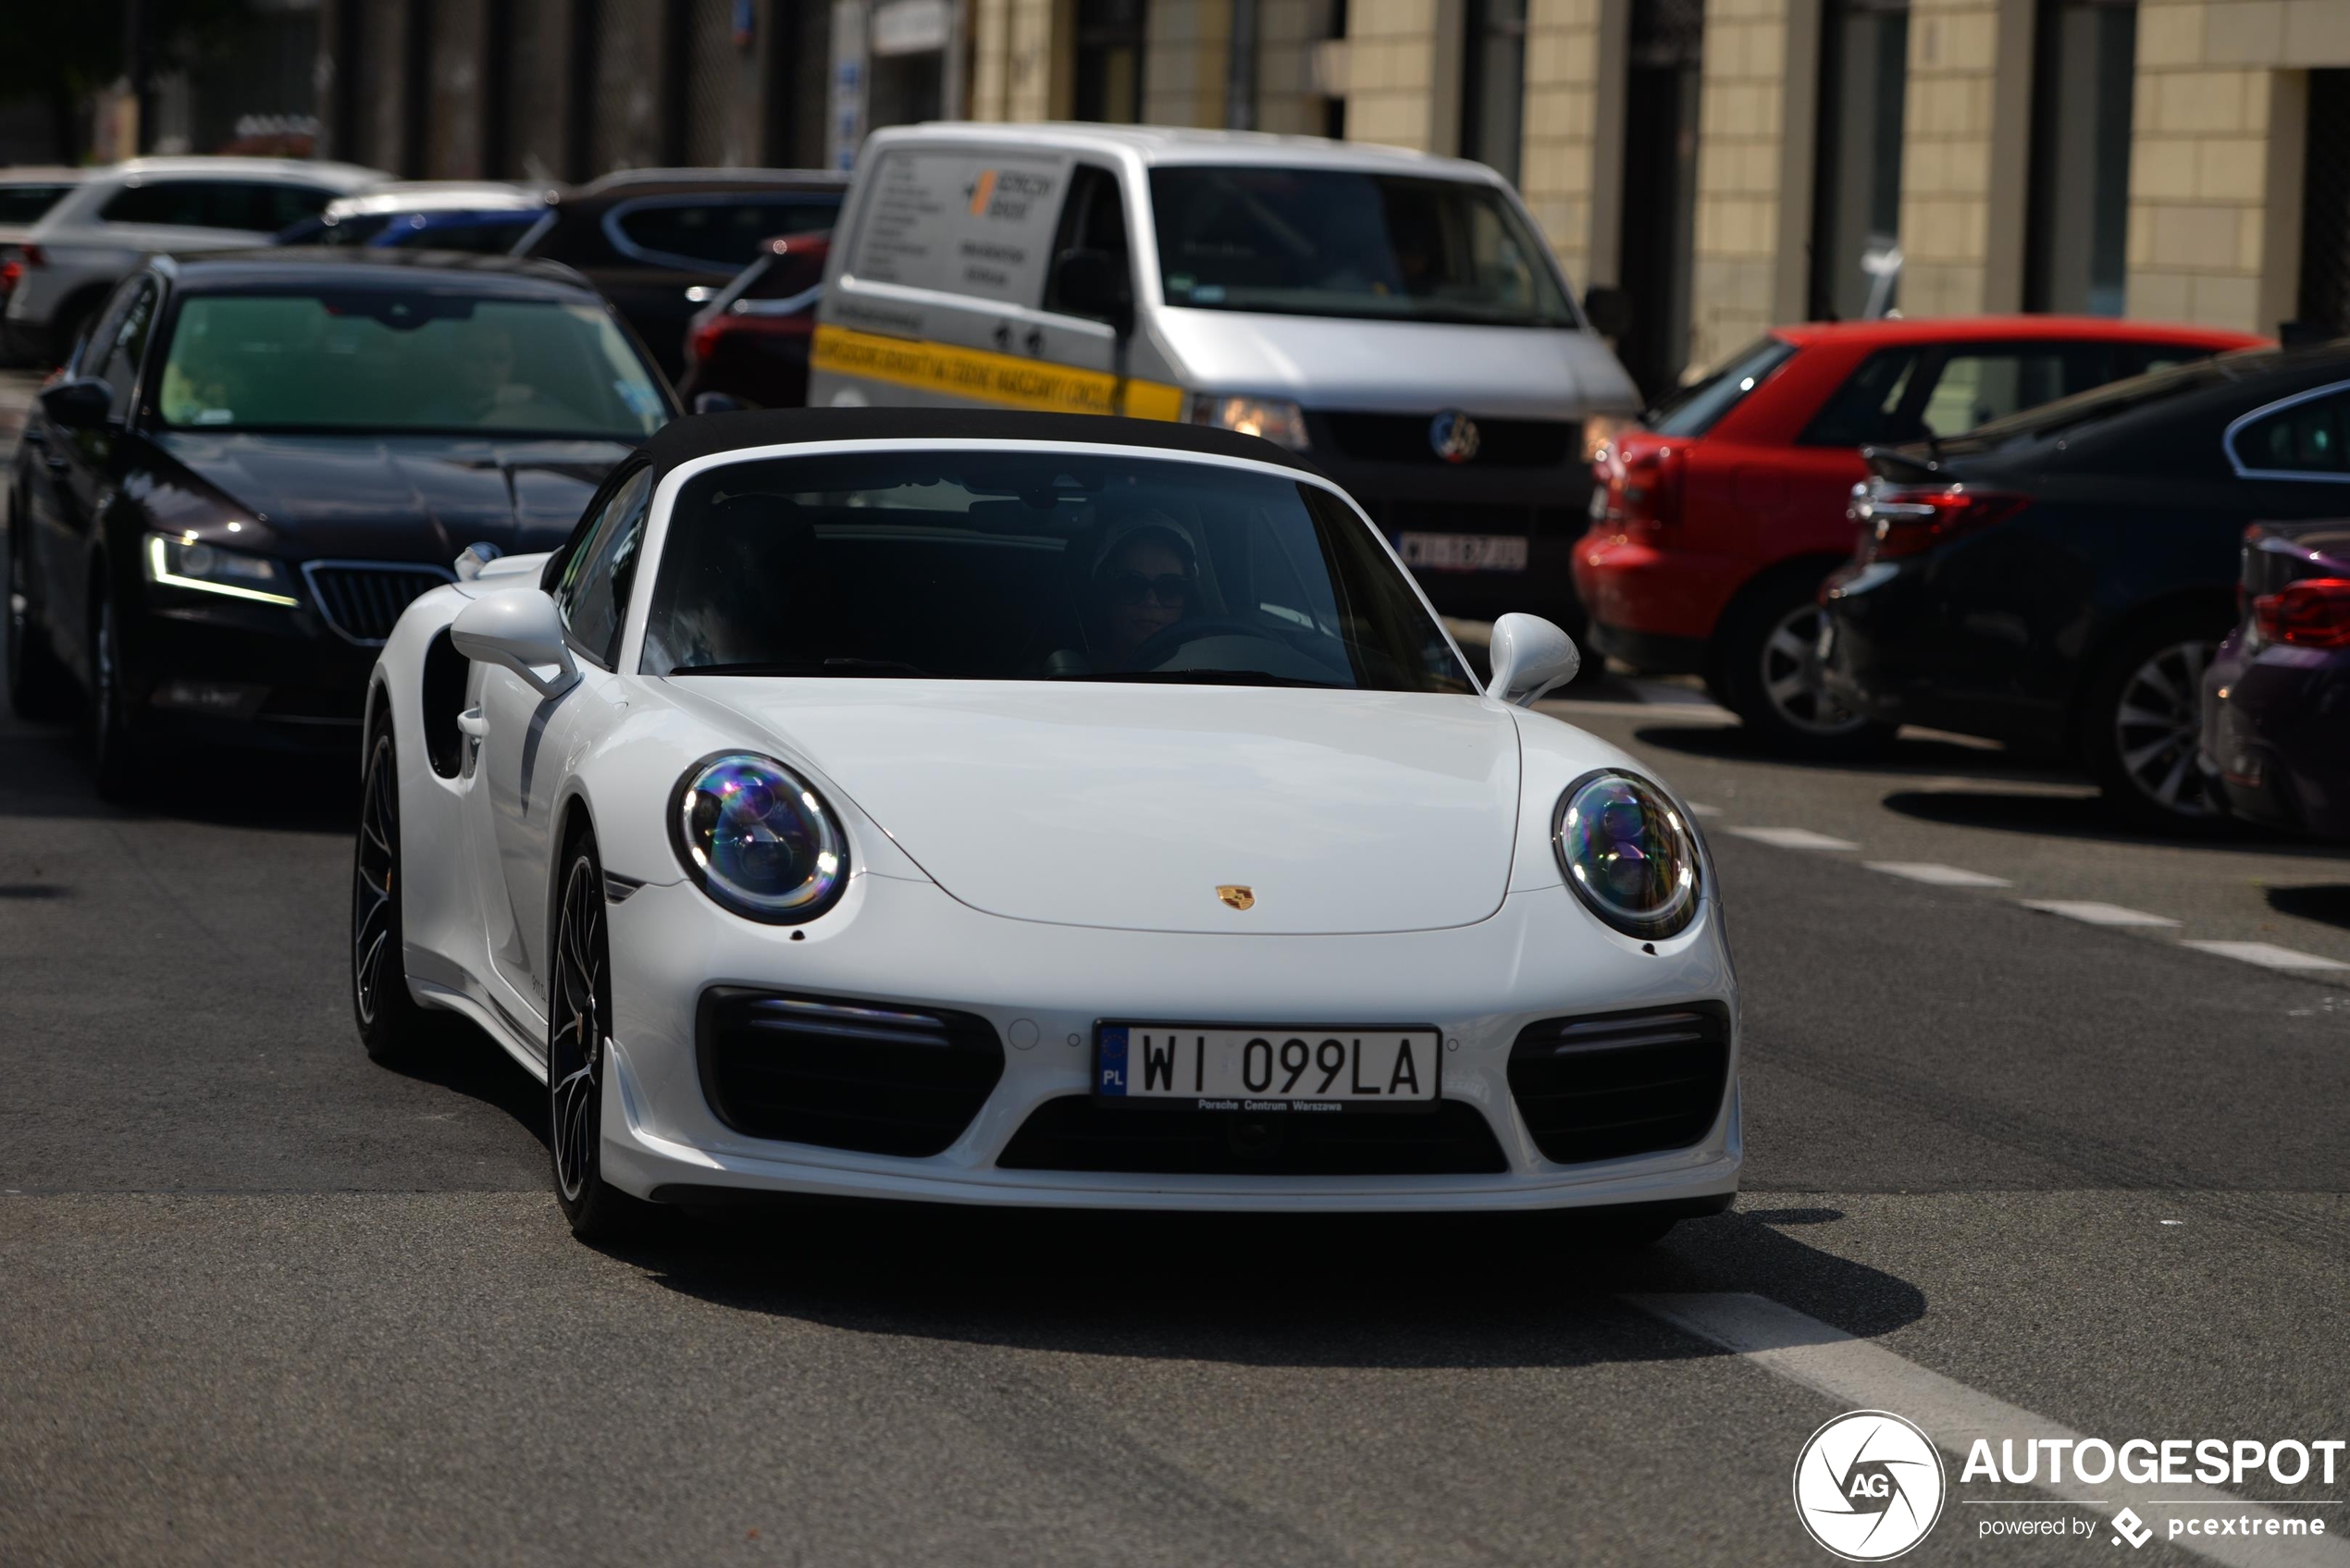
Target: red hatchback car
(1714,520)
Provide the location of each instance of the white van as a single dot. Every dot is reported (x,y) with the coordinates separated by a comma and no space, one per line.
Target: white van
(1396,316)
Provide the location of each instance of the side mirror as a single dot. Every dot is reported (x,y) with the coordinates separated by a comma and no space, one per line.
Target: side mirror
(83,403)
(717,402)
(1094,283)
(522,630)
(1608,309)
(1530,657)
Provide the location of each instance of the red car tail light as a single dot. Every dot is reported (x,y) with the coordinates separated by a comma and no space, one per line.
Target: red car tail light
(31,255)
(703,340)
(1894,524)
(2313,612)
(10,270)
(1641,490)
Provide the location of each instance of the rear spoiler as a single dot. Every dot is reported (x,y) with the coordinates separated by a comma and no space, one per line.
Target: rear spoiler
(1914,465)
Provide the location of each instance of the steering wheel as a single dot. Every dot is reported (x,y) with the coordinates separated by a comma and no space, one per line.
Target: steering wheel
(1163,644)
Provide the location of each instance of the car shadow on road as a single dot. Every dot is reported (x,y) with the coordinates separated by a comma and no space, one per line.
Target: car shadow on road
(1273,1291)
(466,1061)
(2328,902)
(2085,817)
(44,773)
(1912,752)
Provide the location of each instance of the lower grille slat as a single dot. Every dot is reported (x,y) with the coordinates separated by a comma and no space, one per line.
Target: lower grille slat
(878,1090)
(1621,1084)
(1077,1132)
(363,599)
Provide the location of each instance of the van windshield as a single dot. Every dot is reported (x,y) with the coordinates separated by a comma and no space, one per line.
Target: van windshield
(1312,242)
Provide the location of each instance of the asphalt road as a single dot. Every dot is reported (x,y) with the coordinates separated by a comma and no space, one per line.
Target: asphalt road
(269,1303)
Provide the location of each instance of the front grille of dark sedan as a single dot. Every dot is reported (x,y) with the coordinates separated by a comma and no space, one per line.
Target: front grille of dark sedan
(363,598)
(1077,1132)
(1501,443)
(1614,1084)
(874,1077)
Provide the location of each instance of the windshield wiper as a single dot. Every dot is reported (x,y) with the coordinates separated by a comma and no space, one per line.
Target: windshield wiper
(810,667)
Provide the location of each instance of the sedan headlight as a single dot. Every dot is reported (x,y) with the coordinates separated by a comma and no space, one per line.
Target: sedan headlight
(757,838)
(1276,419)
(185,561)
(1628,853)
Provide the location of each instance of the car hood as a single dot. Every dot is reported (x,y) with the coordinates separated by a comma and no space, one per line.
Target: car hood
(1129,805)
(399,498)
(1397,366)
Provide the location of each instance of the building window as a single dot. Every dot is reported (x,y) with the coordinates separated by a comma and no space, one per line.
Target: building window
(1856,214)
(1658,245)
(1110,61)
(2325,209)
(1493,85)
(2076,243)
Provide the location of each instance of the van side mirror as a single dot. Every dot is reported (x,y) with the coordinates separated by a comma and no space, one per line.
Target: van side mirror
(1608,309)
(1094,283)
(83,403)
(522,630)
(1530,657)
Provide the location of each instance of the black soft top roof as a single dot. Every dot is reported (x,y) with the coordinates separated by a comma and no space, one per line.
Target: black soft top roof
(682,440)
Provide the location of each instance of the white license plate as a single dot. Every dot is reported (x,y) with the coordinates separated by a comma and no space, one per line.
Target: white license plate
(1462,552)
(1224,1068)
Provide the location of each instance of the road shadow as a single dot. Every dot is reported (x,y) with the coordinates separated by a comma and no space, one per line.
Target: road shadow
(1912,753)
(2326,902)
(1457,1291)
(44,773)
(463,1060)
(2076,816)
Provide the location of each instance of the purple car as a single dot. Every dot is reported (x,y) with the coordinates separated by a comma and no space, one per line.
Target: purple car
(2276,700)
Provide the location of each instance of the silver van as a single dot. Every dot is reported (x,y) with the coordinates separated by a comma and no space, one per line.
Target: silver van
(1396,317)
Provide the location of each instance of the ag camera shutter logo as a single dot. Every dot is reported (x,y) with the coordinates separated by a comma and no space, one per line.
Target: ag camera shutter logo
(1868,1486)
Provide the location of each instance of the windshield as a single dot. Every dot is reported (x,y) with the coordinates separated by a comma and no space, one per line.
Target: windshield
(405,359)
(1034,567)
(1299,242)
(21,204)
(1698,407)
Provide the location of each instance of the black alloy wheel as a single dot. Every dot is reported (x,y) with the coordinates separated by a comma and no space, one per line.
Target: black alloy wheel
(2142,730)
(117,757)
(39,687)
(395,1031)
(1767,653)
(578,1049)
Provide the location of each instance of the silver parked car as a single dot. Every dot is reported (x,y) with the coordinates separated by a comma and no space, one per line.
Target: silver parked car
(92,238)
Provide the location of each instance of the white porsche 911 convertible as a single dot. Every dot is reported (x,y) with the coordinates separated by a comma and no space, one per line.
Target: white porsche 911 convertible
(1017,809)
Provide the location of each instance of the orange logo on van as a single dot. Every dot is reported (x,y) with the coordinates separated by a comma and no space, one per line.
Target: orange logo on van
(982,192)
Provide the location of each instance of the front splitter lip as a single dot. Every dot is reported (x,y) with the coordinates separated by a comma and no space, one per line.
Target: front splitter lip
(643,1163)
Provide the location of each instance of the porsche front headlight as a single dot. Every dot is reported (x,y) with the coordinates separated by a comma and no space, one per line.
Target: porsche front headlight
(1628,853)
(758,839)
(182,560)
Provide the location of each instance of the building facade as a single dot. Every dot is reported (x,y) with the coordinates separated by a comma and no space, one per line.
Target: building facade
(1728,164)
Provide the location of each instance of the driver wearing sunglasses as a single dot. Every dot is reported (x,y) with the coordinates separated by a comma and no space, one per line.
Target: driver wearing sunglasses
(1148,580)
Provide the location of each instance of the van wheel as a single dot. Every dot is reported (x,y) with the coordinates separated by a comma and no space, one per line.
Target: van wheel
(2142,728)
(1769,674)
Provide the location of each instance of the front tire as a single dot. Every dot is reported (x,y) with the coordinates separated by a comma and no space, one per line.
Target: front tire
(579,1054)
(1769,675)
(118,753)
(395,1031)
(2142,725)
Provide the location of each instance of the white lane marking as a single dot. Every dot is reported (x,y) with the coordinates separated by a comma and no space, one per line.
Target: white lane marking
(2267,955)
(1936,875)
(1665,694)
(1866,1376)
(1793,838)
(2097,914)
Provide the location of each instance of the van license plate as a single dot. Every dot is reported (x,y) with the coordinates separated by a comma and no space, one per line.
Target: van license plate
(1462,552)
